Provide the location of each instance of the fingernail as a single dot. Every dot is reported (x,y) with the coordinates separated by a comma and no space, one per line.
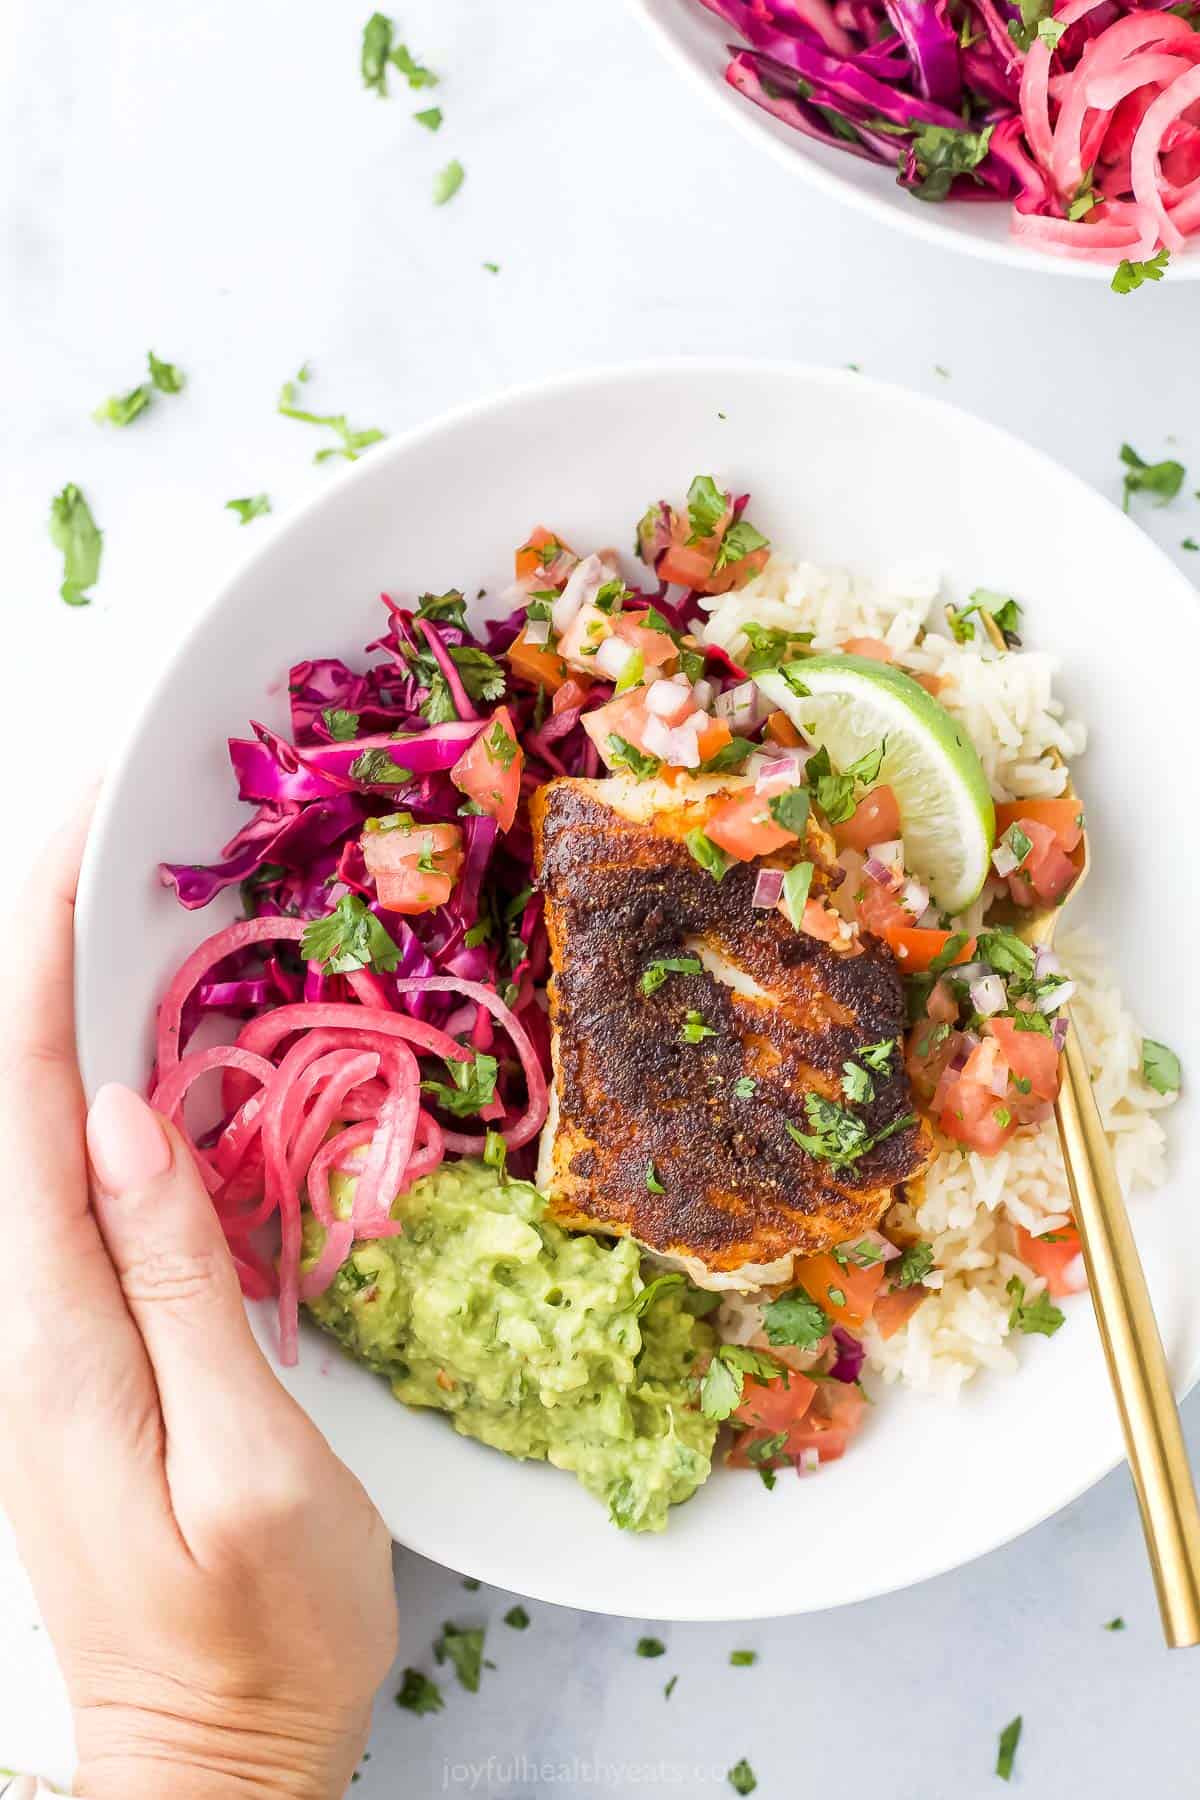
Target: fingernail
(127,1145)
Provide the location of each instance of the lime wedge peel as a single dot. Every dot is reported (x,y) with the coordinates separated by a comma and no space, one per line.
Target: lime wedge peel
(946,811)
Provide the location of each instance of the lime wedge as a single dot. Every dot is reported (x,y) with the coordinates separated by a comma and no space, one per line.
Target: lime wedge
(946,811)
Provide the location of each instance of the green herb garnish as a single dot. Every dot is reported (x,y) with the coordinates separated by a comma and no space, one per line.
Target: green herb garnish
(463,1649)
(1128,275)
(651,1646)
(741,1778)
(418,1694)
(625,755)
(1010,1737)
(254,506)
(74,531)
(517,1617)
(695,1030)
(913,1266)
(376,768)
(349,938)
(341,725)
(655,973)
(1160,1067)
(353,442)
(472,1085)
(795,1319)
(1162,479)
(706,853)
(447,182)
(1039,1316)
(652,1182)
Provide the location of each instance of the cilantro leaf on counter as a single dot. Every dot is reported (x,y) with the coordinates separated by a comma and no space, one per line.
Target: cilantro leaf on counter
(1163,479)
(447,182)
(743,1659)
(1010,1737)
(167,377)
(252,507)
(123,409)
(74,531)
(418,1694)
(517,1617)
(376,50)
(741,1778)
(415,73)
(463,1649)
(651,1646)
(431,118)
(353,442)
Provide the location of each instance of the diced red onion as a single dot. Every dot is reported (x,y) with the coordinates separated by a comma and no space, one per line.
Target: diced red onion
(656,739)
(776,769)
(1003,860)
(585,581)
(662,699)
(987,995)
(703,693)
(1046,962)
(1050,1003)
(808,1462)
(768,888)
(891,852)
(1059,1034)
(970,972)
(887,1250)
(537,631)
(742,707)
(612,656)
(879,873)
(999,1082)
(847,1365)
(915,898)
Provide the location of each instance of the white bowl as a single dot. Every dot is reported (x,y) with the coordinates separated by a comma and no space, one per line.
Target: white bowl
(696,42)
(842,469)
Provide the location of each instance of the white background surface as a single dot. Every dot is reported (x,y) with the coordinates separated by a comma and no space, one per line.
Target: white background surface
(212,180)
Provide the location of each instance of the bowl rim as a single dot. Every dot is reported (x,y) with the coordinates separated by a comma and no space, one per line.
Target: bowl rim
(923,222)
(121,768)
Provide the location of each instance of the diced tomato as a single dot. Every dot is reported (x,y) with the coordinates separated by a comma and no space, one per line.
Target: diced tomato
(573,692)
(834,1417)
(743,827)
(1052,875)
(537,663)
(490,771)
(657,647)
(1063,817)
(780,730)
(714,736)
(914,950)
(766,1409)
(413,890)
(895,1308)
(819,921)
(1056,1257)
(388,850)
(822,1277)
(871,647)
(586,632)
(973,1115)
(880,911)
(875,820)
(691,565)
(528,560)
(933,684)
(1030,1055)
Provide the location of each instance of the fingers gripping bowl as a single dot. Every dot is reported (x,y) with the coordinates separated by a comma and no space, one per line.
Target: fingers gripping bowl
(352,545)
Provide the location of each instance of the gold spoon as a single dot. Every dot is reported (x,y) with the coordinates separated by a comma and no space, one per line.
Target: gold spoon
(1137,1366)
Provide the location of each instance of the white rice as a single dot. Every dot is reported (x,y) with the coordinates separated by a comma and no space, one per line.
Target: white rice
(969,1203)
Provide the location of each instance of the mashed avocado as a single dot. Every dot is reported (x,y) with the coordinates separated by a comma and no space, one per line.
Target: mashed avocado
(526,1335)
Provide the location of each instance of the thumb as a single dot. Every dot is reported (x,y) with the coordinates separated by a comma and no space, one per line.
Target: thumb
(167,1247)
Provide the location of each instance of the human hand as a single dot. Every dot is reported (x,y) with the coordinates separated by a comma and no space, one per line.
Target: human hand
(216,1583)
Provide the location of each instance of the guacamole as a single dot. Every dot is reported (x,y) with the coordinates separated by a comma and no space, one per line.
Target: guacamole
(527,1336)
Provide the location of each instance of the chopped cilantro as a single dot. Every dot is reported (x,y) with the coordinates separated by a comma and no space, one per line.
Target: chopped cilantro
(769,646)
(353,442)
(790,810)
(796,885)
(447,182)
(837,1136)
(765,1450)
(730,756)
(1129,275)
(741,539)
(743,1659)
(431,118)
(1020,845)
(1010,1737)
(706,508)
(626,756)
(723,1380)
(349,938)
(655,973)
(1163,479)
(376,49)
(123,409)
(252,507)
(472,1085)
(1115,1625)
(913,1266)
(340,724)
(1160,1067)
(443,609)
(706,853)
(877,1056)
(940,153)
(795,1319)
(643,1301)
(857,1085)
(652,1182)
(767,1477)
(501,745)
(651,1646)
(376,768)
(167,378)
(1189,544)
(463,1649)
(470,1583)
(670,1687)
(416,75)
(418,1694)
(695,1030)
(1040,1315)
(837,1295)
(744,1087)
(492,268)
(741,1778)
(495,1153)
(74,531)
(517,1617)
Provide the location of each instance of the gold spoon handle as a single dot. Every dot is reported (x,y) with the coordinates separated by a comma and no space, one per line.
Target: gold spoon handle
(1137,1365)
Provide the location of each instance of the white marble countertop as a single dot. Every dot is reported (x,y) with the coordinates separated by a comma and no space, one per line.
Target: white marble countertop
(211,180)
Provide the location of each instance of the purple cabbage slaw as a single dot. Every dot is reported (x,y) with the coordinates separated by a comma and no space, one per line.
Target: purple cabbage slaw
(929,87)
